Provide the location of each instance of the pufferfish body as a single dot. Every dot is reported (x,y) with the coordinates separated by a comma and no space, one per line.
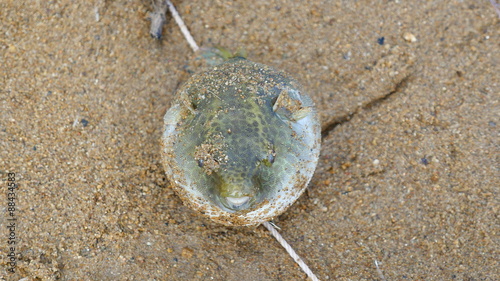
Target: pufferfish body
(241,142)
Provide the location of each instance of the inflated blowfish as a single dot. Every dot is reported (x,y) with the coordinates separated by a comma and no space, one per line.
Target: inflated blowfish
(241,142)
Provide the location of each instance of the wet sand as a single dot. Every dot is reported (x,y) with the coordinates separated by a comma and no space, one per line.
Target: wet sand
(408,176)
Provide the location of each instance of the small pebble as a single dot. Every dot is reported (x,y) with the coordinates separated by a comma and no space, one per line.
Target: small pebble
(376,162)
(409,37)
(158,18)
(425,161)
(157,21)
(187,253)
(84,122)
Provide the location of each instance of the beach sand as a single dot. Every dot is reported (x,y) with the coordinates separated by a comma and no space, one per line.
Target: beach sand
(407,185)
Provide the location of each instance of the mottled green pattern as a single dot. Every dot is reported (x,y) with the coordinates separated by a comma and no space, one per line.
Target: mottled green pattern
(251,145)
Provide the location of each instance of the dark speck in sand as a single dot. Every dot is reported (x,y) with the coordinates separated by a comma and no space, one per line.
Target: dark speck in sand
(84,122)
(424,161)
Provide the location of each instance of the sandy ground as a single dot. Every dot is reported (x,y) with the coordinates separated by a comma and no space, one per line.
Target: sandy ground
(408,178)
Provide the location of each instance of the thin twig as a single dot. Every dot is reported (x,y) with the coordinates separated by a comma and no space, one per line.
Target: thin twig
(496,6)
(182,26)
(290,251)
(379,271)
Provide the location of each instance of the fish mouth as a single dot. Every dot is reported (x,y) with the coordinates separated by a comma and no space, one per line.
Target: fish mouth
(236,203)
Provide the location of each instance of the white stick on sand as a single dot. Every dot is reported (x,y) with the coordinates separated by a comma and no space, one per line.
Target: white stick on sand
(290,251)
(182,26)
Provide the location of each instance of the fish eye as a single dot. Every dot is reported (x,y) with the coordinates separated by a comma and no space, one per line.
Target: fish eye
(271,156)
